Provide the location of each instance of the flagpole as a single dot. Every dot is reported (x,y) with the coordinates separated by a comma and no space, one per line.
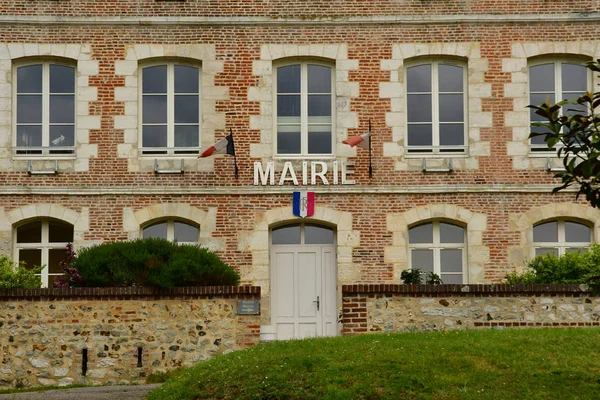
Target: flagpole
(370,139)
(234,156)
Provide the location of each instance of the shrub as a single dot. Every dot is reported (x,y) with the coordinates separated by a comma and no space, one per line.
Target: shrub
(18,276)
(415,277)
(151,262)
(72,277)
(579,267)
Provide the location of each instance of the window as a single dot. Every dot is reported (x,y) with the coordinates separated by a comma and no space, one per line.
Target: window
(438,247)
(436,108)
(304,104)
(173,230)
(170,109)
(560,236)
(554,81)
(44,243)
(302,234)
(45,109)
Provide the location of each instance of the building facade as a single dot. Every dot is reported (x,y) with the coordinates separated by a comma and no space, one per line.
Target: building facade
(105,108)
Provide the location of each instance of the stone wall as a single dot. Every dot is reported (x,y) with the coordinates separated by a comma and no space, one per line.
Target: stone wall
(117,335)
(400,308)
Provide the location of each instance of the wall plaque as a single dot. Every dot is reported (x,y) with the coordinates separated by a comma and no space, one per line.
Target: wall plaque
(248,307)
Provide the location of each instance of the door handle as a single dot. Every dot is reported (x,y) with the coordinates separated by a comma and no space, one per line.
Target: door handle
(318,303)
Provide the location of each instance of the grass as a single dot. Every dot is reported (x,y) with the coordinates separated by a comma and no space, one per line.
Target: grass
(491,364)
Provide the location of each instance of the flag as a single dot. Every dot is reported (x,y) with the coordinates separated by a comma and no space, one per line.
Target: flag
(303,204)
(223,146)
(363,141)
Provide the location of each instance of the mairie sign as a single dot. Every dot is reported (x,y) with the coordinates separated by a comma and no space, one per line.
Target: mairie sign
(312,173)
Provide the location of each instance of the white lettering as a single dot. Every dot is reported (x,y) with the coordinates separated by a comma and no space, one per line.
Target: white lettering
(269,173)
(288,168)
(335,172)
(346,172)
(314,173)
(304,172)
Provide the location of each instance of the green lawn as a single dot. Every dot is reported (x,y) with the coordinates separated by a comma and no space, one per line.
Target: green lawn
(491,364)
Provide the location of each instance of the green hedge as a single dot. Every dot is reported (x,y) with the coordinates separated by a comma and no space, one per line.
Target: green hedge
(580,267)
(151,262)
(18,276)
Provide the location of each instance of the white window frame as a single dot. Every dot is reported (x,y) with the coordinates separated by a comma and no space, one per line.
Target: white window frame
(304,109)
(562,245)
(171,229)
(437,246)
(542,149)
(45,149)
(170,150)
(436,150)
(45,246)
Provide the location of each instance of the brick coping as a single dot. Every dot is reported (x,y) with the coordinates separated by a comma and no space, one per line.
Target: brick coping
(497,289)
(130,292)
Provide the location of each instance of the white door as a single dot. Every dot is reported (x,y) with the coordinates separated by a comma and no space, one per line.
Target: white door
(303,282)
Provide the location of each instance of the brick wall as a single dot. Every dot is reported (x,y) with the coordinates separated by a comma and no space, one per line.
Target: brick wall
(125,334)
(410,308)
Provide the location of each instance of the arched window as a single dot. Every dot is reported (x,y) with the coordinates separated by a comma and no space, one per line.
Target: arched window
(170,108)
(436,107)
(439,247)
(555,80)
(305,102)
(173,230)
(302,234)
(43,243)
(45,108)
(560,236)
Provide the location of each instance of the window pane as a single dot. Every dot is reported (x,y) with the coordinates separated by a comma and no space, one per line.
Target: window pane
(420,135)
(452,279)
(62,109)
(451,260)
(450,78)
(418,79)
(319,105)
(29,79)
(286,235)
(29,109)
(547,232)
(186,233)
(546,250)
(29,135)
(319,139)
(288,106)
(288,140)
(537,99)
(154,79)
(55,256)
(32,257)
(452,108)
(62,135)
(288,79)
(574,77)
(155,231)
(318,235)
(186,79)
(421,234)
(452,134)
(155,109)
(154,136)
(419,107)
(60,232)
(541,78)
(187,136)
(451,233)
(30,233)
(575,232)
(187,109)
(319,79)
(62,79)
(576,250)
(422,259)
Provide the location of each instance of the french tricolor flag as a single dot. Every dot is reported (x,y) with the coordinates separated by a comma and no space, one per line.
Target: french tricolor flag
(223,146)
(304,204)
